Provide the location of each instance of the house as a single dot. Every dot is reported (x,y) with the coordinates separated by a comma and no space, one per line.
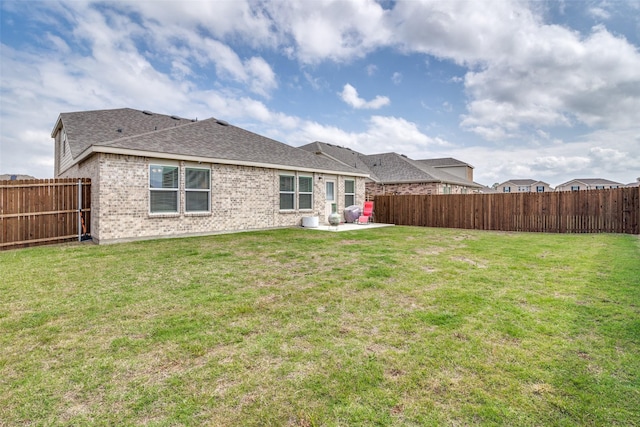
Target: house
(523,186)
(393,173)
(588,184)
(452,166)
(634,184)
(155,175)
(14,177)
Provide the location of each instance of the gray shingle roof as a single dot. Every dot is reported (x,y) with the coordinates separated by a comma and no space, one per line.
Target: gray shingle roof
(342,154)
(391,167)
(522,182)
(591,182)
(207,139)
(397,168)
(86,128)
(443,162)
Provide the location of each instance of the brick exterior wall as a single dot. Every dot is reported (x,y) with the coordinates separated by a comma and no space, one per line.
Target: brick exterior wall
(242,198)
(375,189)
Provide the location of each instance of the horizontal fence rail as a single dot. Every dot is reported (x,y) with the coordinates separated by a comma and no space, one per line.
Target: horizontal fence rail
(590,211)
(44,211)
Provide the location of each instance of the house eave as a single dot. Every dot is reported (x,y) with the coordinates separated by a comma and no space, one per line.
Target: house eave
(169,156)
(56,127)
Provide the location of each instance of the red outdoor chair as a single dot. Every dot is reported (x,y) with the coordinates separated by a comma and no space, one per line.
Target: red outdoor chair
(367,213)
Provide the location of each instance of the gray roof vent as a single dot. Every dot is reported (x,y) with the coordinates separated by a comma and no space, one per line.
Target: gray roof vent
(222,122)
(175,117)
(147,112)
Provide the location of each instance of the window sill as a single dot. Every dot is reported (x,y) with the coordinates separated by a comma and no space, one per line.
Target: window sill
(197,214)
(164,215)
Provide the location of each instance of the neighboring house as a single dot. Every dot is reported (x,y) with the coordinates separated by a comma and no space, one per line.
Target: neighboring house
(451,166)
(14,177)
(588,184)
(634,184)
(523,186)
(393,173)
(154,175)
(486,190)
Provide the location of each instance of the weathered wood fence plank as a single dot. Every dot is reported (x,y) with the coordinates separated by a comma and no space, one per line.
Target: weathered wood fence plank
(592,211)
(43,211)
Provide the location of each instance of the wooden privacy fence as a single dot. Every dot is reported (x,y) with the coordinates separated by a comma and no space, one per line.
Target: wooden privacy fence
(590,211)
(43,211)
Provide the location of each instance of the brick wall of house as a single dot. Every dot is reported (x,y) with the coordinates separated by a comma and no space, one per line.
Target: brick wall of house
(375,189)
(242,198)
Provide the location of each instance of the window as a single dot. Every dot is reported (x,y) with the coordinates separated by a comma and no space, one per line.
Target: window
(540,188)
(330,191)
(506,190)
(305,192)
(524,189)
(163,189)
(575,187)
(287,192)
(349,192)
(197,190)
(613,186)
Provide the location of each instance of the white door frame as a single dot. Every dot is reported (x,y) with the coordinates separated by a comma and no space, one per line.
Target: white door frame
(328,201)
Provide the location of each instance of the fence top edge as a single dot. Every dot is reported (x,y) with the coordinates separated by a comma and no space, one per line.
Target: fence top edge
(42,182)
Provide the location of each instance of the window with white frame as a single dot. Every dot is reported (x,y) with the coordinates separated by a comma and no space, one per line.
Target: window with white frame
(287,192)
(575,187)
(349,192)
(163,189)
(197,189)
(305,192)
(540,188)
(506,190)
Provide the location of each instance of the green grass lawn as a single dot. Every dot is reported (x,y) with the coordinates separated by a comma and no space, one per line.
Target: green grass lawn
(391,326)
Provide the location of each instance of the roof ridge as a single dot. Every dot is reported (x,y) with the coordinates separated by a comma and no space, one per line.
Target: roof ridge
(156,131)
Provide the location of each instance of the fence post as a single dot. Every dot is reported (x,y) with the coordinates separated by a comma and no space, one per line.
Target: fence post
(79,210)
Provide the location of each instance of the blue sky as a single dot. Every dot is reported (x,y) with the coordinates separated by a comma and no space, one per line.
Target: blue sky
(541,90)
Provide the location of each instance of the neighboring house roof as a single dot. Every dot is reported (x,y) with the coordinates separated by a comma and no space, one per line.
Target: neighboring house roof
(389,168)
(591,182)
(444,162)
(9,177)
(392,168)
(133,132)
(634,184)
(523,182)
(485,189)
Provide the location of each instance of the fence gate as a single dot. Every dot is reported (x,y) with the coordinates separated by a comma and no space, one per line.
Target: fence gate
(44,211)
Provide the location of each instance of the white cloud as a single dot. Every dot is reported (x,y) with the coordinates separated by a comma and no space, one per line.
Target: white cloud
(371,69)
(396,78)
(599,12)
(261,77)
(330,29)
(350,96)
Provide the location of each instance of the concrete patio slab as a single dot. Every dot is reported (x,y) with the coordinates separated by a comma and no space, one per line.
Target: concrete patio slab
(348,227)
